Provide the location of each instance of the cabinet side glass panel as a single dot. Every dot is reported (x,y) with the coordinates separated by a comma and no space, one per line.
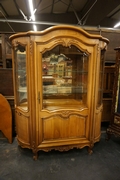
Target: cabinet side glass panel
(64,76)
(21,78)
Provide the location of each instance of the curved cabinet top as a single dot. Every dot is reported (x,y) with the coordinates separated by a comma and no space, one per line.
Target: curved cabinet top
(59,30)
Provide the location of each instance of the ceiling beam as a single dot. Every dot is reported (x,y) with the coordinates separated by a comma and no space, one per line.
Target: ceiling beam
(17,7)
(87,10)
(69,5)
(102,8)
(52,6)
(4,11)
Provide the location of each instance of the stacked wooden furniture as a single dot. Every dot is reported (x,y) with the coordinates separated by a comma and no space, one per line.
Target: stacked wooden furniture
(108,86)
(6,74)
(58,80)
(114,127)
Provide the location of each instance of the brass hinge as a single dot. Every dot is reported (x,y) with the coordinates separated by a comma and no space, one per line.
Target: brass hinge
(39,97)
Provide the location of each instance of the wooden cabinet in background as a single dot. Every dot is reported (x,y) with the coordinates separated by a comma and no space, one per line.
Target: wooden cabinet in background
(5,51)
(58,79)
(114,127)
(108,91)
(6,73)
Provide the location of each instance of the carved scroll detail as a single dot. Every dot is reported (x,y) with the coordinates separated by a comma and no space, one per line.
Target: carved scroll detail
(16,43)
(65,114)
(66,42)
(64,148)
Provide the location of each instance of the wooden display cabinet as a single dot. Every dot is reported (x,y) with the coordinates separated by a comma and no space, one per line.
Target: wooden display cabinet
(114,127)
(58,80)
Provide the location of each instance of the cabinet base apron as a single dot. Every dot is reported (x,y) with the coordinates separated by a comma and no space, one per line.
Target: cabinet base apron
(59,146)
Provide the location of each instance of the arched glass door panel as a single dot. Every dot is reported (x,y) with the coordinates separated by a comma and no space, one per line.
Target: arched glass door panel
(64,76)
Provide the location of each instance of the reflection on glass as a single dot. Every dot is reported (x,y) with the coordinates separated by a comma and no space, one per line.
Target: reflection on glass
(65,76)
(21,78)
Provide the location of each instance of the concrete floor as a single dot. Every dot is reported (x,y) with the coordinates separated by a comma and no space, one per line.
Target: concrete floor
(104,164)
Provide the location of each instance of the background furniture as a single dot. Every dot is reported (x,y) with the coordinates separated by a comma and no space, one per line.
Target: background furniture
(5,118)
(114,127)
(6,73)
(108,85)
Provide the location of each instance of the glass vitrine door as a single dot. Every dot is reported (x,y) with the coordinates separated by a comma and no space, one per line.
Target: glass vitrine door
(64,76)
(21,77)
